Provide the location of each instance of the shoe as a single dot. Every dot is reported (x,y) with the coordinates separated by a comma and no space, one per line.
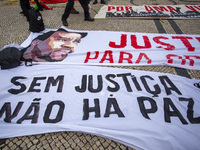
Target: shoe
(89,19)
(64,22)
(74,11)
(95,2)
(103,2)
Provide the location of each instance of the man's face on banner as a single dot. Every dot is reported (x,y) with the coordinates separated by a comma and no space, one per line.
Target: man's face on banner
(62,43)
(54,48)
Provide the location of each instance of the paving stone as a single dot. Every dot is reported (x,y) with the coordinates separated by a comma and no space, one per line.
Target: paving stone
(15,140)
(33,147)
(10,144)
(6,148)
(39,145)
(32,138)
(66,145)
(41,148)
(29,144)
(19,142)
(14,147)
(81,144)
(46,146)
(62,148)
(35,141)
(27,140)
(23,144)
(44,142)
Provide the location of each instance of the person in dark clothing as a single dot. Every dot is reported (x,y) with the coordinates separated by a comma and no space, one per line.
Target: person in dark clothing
(40,8)
(74,11)
(25,6)
(68,9)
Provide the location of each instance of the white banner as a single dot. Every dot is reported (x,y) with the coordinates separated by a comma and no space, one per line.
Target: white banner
(149,11)
(144,110)
(114,48)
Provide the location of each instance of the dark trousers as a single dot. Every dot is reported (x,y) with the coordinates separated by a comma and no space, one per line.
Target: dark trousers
(70,5)
(25,6)
(38,4)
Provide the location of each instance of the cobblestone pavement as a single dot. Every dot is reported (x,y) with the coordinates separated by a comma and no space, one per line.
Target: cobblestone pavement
(14,29)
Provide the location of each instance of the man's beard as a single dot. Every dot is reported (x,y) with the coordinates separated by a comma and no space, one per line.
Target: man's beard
(48,58)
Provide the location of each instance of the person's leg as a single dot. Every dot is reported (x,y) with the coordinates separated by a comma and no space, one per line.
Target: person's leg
(67,12)
(22,3)
(74,11)
(25,6)
(68,9)
(84,4)
(28,6)
(39,5)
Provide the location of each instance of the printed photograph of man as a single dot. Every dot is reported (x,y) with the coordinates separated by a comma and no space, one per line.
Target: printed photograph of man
(54,48)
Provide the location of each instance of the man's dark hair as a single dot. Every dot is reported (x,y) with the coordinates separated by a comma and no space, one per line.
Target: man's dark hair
(83,34)
(48,34)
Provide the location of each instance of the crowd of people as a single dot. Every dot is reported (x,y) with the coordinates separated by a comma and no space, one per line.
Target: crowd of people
(85,4)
